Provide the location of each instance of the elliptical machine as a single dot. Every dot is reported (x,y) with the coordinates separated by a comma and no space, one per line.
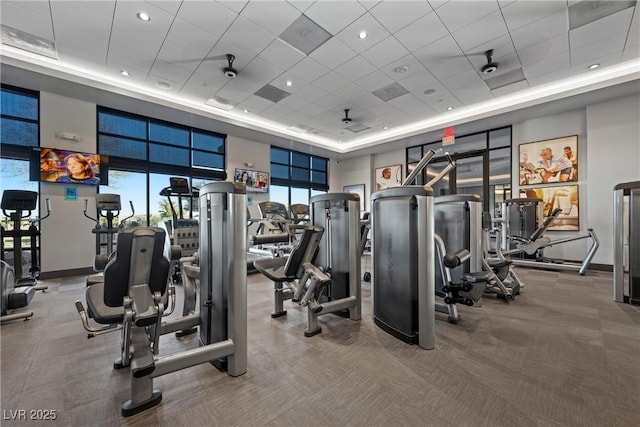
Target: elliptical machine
(108,206)
(18,290)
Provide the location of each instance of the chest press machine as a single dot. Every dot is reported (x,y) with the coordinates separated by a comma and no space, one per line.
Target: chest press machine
(136,280)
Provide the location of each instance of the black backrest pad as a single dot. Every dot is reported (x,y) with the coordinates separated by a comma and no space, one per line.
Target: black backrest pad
(547,222)
(304,251)
(117,271)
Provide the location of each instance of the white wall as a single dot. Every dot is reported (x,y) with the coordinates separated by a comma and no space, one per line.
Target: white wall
(550,127)
(67,242)
(352,172)
(613,157)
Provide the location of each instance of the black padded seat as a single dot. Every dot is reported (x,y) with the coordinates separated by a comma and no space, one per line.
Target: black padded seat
(289,268)
(265,239)
(20,297)
(273,268)
(98,310)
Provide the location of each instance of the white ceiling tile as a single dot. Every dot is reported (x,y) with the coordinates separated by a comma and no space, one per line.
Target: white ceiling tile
(260,69)
(481,31)
(94,21)
(350,91)
(38,7)
(617,23)
(234,5)
(301,5)
(450,68)
(397,71)
(130,37)
(152,80)
(473,94)
(331,81)
(374,81)
(333,53)
(125,18)
(541,30)
(355,68)
(366,101)
(605,59)
(170,6)
(324,14)
(39,25)
(281,54)
(595,50)
(438,52)
(272,16)
(309,69)
(512,88)
(170,71)
(239,89)
(408,103)
(419,81)
(246,35)
(79,42)
(375,33)
(459,14)
(294,102)
(313,109)
(217,57)
(549,77)
(126,55)
(186,43)
(544,50)
(256,104)
(553,64)
(204,86)
(385,52)
(422,32)
(395,15)
(311,93)
(463,79)
(521,13)
(81,60)
(211,17)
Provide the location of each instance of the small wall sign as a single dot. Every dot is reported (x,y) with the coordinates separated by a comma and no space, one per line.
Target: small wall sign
(70,193)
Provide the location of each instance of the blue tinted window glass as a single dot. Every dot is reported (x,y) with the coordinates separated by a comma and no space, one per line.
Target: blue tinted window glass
(318,177)
(279,156)
(301,160)
(319,164)
(169,155)
(299,174)
(279,171)
(18,133)
(208,160)
(213,143)
(123,126)
(19,105)
(168,134)
(122,147)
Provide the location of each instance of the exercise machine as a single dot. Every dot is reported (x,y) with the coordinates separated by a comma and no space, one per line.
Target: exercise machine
(459,222)
(108,206)
(626,242)
(221,273)
(17,205)
(14,297)
(521,211)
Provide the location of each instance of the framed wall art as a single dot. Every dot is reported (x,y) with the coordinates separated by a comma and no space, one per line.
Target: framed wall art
(356,189)
(388,176)
(564,197)
(549,161)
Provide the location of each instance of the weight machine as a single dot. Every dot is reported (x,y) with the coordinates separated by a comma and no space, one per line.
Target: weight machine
(626,242)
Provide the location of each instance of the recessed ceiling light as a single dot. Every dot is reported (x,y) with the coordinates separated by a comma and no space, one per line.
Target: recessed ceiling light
(449,108)
(289,83)
(245,110)
(385,127)
(401,69)
(124,73)
(429,92)
(362,35)
(592,66)
(143,16)
(163,85)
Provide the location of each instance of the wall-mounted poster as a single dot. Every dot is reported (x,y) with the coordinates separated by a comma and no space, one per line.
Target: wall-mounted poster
(549,161)
(564,197)
(388,176)
(356,189)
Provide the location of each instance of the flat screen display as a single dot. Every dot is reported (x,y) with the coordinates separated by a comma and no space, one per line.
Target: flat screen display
(256,181)
(68,167)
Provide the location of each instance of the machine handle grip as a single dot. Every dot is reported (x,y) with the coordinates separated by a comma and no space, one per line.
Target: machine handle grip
(455,259)
(86,207)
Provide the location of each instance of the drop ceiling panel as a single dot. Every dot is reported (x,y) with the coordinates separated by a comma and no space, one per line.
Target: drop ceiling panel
(460,14)
(618,23)
(203,86)
(324,13)
(374,81)
(311,93)
(281,14)
(211,17)
(309,69)
(544,50)
(375,33)
(301,5)
(541,30)
(125,20)
(481,31)
(256,104)
(473,94)
(459,80)
(137,59)
(74,42)
(39,25)
(551,65)
(595,50)
(171,72)
(418,82)
(170,6)
(522,13)
(330,102)
(385,52)
(92,21)
(41,8)
(281,54)
(247,36)
(438,52)
(333,53)
(261,70)
(130,36)
(397,15)
(422,32)
(355,68)
(234,5)
(450,68)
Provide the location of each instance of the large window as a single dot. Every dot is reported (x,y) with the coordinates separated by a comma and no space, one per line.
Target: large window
(295,176)
(483,166)
(144,153)
(19,131)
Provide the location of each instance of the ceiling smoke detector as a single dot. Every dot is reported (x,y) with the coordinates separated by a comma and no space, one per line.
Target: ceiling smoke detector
(230,71)
(346,120)
(490,67)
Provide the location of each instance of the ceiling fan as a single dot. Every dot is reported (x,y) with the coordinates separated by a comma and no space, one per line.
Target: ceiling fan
(230,71)
(346,120)
(490,66)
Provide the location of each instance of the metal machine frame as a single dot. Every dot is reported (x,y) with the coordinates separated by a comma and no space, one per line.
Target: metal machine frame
(626,242)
